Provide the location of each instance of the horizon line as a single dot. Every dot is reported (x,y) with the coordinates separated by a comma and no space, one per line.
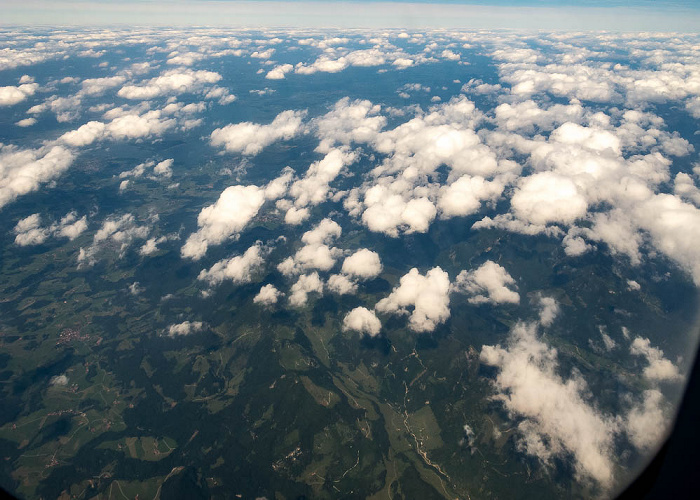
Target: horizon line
(356,14)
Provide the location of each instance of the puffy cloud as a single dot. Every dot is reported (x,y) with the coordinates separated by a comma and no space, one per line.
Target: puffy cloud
(363,321)
(267,296)
(98,86)
(278,72)
(277,187)
(388,213)
(477,86)
(326,231)
(558,418)
(26,122)
(465,195)
(316,252)
(11,57)
(164,168)
(10,96)
(171,82)
(263,54)
(428,295)
(235,208)
(549,310)
(398,196)
(443,136)
(619,231)
(185,328)
(66,108)
(238,269)
(136,126)
(151,245)
(684,186)
(221,94)
(489,283)
(575,246)
(250,138)
(674,227)
(547,197)
(608,341)
(527,116)
(306,284)
(323,64)
(348,122)
(84,135)
(514,225)
(60,380)
(314,187)
(403,62)
(364,264)
(593,138)
(119,232)
(341,284)
(120,229)
(135,288)
(138,170)
(25,170)
(70,226)
(296,216)
(577,80)
(161,170)
(646,423)
(30,232)
(659,368)
(449,55)
(693,107)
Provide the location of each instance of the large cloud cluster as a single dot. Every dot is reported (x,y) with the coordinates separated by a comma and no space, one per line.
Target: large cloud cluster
(401,196)
(559,419)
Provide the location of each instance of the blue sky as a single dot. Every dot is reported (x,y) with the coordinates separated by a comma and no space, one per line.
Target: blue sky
(615,15)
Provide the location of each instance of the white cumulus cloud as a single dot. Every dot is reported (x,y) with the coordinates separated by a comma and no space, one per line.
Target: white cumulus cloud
(363,321)
(427,295)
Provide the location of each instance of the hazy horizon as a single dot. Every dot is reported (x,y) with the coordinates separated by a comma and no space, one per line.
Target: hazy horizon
(524,15)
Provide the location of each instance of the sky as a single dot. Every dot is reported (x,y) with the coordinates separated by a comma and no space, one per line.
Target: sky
(631,15)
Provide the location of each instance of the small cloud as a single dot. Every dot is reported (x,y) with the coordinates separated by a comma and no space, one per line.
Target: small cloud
(185,328)
(267,296)
(26,122)
(363,321)
(59,380)
(487,284)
